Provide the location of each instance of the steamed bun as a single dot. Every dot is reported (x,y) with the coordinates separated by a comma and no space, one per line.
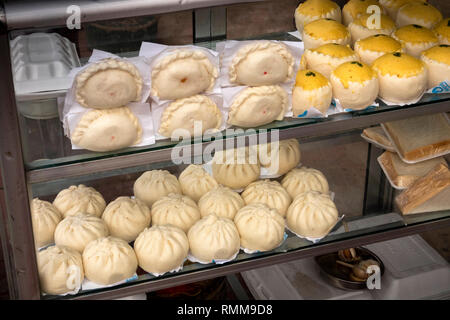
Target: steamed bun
(80,198)
(279,157)
(45,217)
(304,179)
(221,201)
(195,181)
(270,193)
(155,184)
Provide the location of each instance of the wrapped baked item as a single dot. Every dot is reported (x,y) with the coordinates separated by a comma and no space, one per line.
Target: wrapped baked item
(195,182)
(109,260)
(256,106)
(354,8)
(427,194)
(221,201)
(235,168)
(78,230)
(76,199)
(415,39)
(108,83)
(312,10)
(44,217)
(161,249)
(373,47)
(155,184)
(300,180)
(364,26)
(392,6)
(326,58)
(126,218)
(260,228)
(420,13)
(442,31)
(268,192)
(279,157)
(376,135)
(437,60)
(420,138)
(177,210)
(355,85)
(402,175)
(60,270)
(324,31)
(402,78)
(213,238)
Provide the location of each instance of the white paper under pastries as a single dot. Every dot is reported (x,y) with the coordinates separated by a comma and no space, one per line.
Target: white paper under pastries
(256,106)
(177,210)
(261,63)
(60,270)
(109,260)
(236,168)
(45,217)
(279,157)
(182,73)
(213,238)
(195,181)
(270,193)
(108,83)
(301,18)
(182,113)
(221,201)
(161,249)
(76,199)
(78,230)
(304,179)
(312,214)
(107,130)
(260,227)
(126,218)
(155,184)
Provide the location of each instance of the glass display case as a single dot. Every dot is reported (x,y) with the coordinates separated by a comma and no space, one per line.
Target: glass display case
(38,161)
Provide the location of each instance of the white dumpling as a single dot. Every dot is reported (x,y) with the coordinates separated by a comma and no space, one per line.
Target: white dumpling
(60,270)
(214,238)
(177,210)
(109,260)
(160,249)
(78,230)
(221,201)
(304,179)
(45,217)
(279,157)
(195,181)
(260,227)
(155,184)
(126,218)
(312,214)
(76,199)
(270,193)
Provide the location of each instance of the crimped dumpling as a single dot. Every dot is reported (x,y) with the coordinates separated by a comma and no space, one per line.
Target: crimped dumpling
(261,63)
(107,130)
(45,217)
(109,260)
(312,214)
(195,181)
(221,201)
(160,249)
(78,230)
(126,218)
(279,157)
(108,83)
(304,179)
(177,210)
(270,193)
(260,227)
(155,184)
(256,106)
(60,270)
(76,199)
(235,168)
(183,113)
(312,10)
(182,73)
(213,238)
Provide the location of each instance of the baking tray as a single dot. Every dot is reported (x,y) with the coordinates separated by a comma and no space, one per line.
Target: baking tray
(337,275)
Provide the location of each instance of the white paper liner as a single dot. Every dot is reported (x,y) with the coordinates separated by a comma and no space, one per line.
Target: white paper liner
(315,113)
(192,258)
(177,269)
(296,34)
(154,51)
(90,285)
(341,109)
(388,177)
(376,143)
(158,109)
(315,240)
(228,49)
(251,251)
(443,87)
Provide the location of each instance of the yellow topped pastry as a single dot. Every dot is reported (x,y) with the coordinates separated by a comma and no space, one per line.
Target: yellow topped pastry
(309,80)
(312,10)
(437,60)
(398,64)
(442,31)
(380,43)
(354,8)
(415,38)
(439,53)
(326,29)
(353,71)
(311,90)
(335,50)
(368,25)
(392,6)
(385,21)
(420,13)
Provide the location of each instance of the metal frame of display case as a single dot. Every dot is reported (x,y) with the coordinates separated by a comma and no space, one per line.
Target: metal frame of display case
(16,226)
